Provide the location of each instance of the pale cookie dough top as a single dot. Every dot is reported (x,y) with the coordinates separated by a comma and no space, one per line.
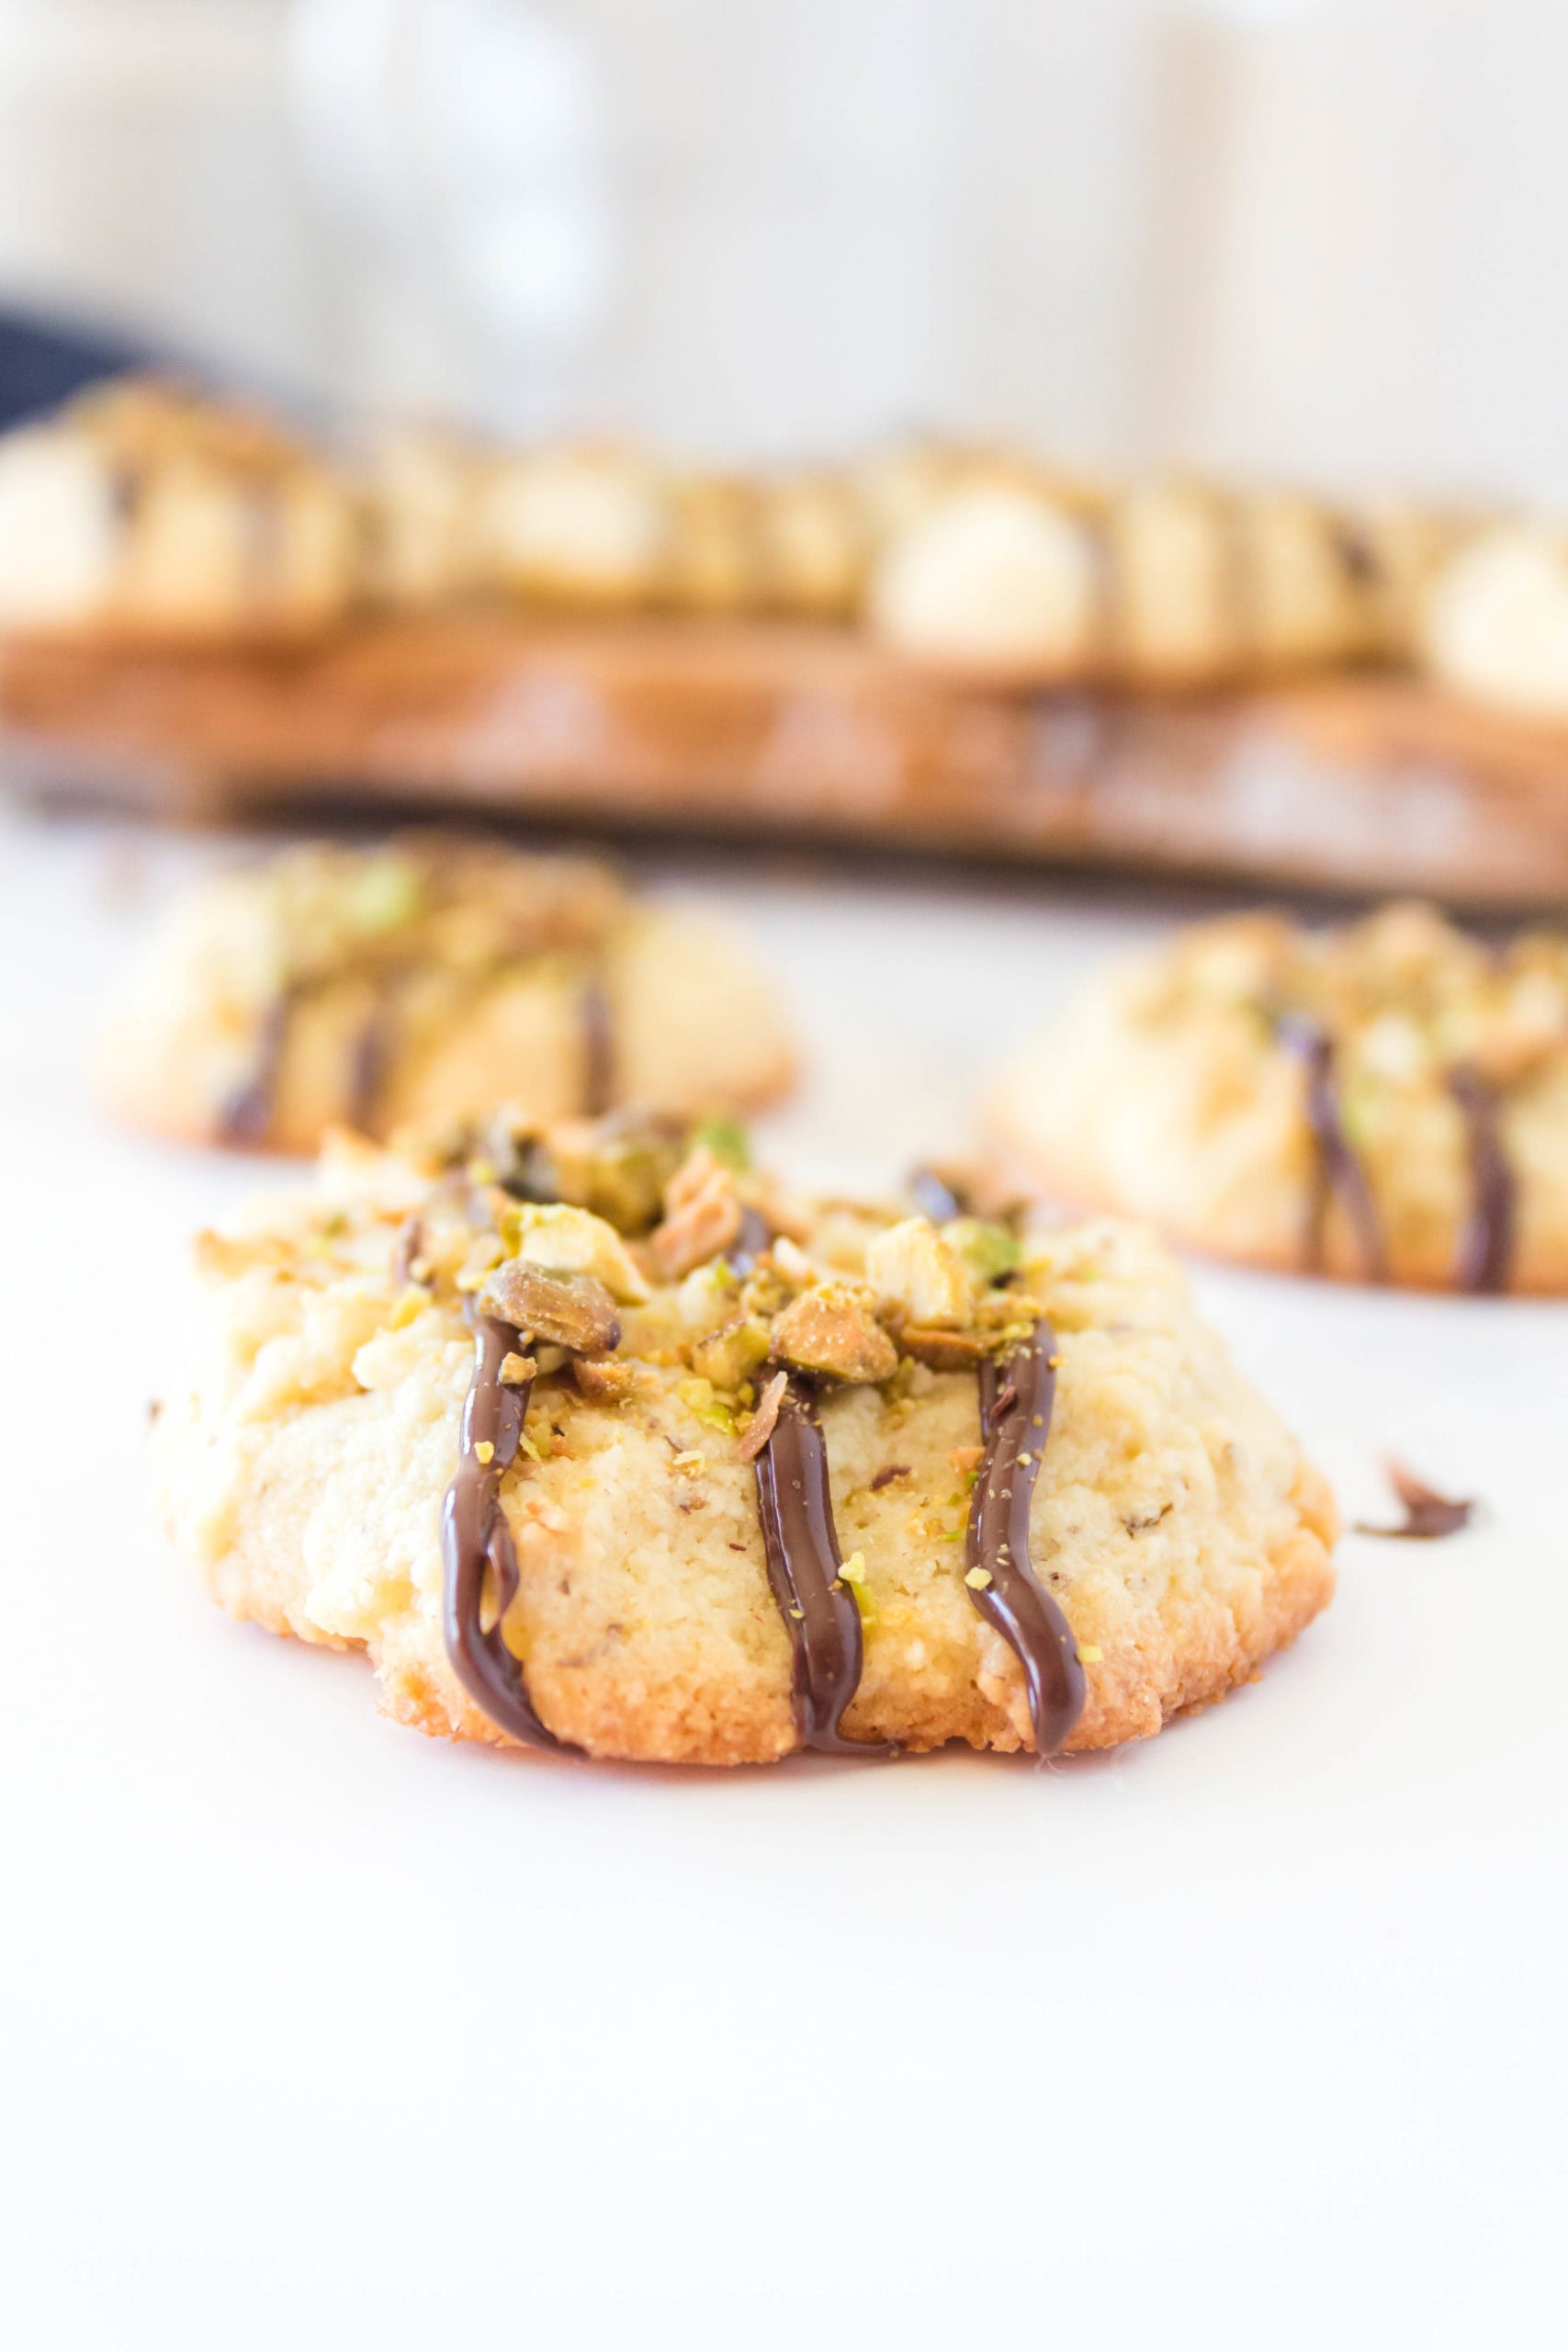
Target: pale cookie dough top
(593,1437)
(429,976)
(1389,1100)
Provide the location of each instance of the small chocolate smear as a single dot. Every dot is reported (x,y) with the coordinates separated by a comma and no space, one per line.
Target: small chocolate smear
(367,1066)
(1016,1399)
(245,1118)
(1487,1243)
(755,1237)
(1339,1174)
(819,1612)
(598,1049)
(409,1249)
(938,1196)
(474,1536)
(1427,1515)
(886,1477)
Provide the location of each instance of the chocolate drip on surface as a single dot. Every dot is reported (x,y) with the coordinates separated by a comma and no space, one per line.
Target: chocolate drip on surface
(819,1611)
(1486,1244)
(598,1049)
(1016,1398)
(474,1535)
(245,1118)
(1339,1175)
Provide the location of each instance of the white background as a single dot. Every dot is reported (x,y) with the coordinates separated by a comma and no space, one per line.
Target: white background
(319,2034)
(1325,237)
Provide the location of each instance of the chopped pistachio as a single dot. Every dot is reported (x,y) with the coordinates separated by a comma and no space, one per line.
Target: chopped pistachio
(704,1405)
(832,1330)
(977,1579)
(517,1371)
(988,1251)
(727,1141)
(911,1267)
(1089,1653)
(573,1241)
(727,1356)
(570,1311)
(485,1452)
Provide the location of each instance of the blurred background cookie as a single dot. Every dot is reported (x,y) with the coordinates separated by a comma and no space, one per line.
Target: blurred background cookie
(426,980)
(1385,1103)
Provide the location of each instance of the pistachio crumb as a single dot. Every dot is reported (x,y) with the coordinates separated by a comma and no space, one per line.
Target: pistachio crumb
(1089,1653)
(515,1370)
(852,1570)
(977,1579)
(485,1452)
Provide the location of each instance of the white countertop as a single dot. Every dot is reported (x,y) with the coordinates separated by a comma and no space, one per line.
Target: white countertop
(318,2033)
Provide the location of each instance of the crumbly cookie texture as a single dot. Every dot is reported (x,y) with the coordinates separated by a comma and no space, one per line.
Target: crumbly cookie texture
(429,978)
(1178,1090)
(1175,1520)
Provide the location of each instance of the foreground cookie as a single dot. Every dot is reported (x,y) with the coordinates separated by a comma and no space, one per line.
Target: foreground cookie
(1388,1101)
(594,1439)
(426,980)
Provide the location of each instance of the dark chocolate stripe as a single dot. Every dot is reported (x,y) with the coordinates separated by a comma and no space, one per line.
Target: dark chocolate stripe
(369,1060)
(598,1049)
(819,1609)
(1339,1174)
(1015,1419)
(245,1118)
(1485,1256)
(474,1534)
(934,1196)
(755,1237)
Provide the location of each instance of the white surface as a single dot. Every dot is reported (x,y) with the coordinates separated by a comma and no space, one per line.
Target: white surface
(317,2033)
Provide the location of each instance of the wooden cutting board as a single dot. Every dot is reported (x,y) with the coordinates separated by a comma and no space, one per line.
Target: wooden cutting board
(1361,784)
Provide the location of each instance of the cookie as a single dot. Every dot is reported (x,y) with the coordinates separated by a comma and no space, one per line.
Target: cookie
(428,979)
(1385,1103)
(813,546)
(1495,623)
(595,1438)
(147,514)
(997,581)
(421,492)
(582,528)
(1178,597)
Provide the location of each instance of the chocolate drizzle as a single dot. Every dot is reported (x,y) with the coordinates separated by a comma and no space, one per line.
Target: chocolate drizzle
(1338,1174)
(819,1609)
(598,1049)
(369,1063)
(1016,1399)
(474,1536)
(245,1118)
(1486,1241)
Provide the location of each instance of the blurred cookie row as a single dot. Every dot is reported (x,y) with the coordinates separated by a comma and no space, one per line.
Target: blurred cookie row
(148,513)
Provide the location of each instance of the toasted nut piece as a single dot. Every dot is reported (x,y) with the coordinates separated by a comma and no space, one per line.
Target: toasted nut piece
(702,1215)
(733,1352)
(607,1379)
(965,1458)
(942,1350)
(829,1330)
(764,1420)
(517,1371)
(988,1251)
(570,1311)
(574,1242)
(910,1266)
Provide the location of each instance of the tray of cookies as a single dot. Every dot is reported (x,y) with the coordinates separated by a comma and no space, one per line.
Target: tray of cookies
(944,651)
